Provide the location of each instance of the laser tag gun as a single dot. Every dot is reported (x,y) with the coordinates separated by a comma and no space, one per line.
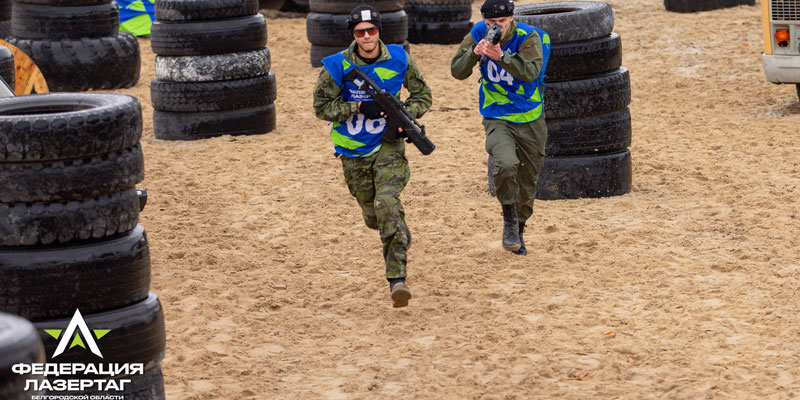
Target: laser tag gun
(493,36)
(396,113)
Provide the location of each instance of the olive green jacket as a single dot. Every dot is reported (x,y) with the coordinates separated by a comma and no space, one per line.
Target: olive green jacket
(524,65)
(328,102)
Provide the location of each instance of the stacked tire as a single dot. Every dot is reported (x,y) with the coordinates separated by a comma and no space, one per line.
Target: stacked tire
(212,70)
(438,21)
(326,25)
(5,18)
(69,238)
(7,71)
(76,43)
(586,99)
(690,6)
(19,344)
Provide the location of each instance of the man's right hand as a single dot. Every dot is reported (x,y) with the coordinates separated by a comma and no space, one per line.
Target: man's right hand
(370,109)
(480,48)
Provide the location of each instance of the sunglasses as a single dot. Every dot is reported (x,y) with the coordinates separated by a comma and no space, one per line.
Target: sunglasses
(360,32)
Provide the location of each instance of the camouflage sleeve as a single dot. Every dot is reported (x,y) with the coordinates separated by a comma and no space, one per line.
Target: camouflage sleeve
(462,62)
(328,102)
(420,98)
(526,63)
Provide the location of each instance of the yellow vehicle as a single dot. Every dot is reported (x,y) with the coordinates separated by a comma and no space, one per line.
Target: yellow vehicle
(781,25)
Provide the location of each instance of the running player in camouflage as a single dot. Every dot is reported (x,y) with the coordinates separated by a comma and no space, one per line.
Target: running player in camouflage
(375,169)
(511,104)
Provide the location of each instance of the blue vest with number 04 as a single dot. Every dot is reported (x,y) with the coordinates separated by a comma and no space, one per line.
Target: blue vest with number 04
(503,96)
(359,136)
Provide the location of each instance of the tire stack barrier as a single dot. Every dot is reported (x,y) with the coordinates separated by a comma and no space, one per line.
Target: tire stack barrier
(7,71)
(76,43)
(326,25)
(5,18)
(212,70)
(438,21)
(586,101)
(19,344)
(69,238)
(690,6)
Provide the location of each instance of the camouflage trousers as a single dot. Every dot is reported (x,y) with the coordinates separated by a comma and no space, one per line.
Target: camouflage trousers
(518,151)
(376,182)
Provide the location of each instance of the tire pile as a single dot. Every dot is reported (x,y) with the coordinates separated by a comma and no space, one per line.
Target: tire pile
(212,70)
(76,43)
(438,21)
(69,238)
(586,101)
(689,6)
(7,71)
(326,26)
(5,18)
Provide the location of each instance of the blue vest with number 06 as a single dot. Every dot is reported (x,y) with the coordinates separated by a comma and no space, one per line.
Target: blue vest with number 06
(359,136)
(503,96)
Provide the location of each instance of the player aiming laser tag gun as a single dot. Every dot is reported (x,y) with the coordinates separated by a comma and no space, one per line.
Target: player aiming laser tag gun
(493,36)
(396,113)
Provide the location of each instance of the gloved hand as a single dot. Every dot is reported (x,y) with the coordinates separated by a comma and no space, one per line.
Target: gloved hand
(370,109)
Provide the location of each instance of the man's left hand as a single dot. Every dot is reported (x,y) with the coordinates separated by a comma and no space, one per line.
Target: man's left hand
(493,51)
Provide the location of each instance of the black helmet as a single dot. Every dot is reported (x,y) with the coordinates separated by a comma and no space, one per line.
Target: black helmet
(363,14)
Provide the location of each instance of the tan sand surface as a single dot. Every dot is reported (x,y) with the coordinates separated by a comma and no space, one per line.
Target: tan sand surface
(687,287)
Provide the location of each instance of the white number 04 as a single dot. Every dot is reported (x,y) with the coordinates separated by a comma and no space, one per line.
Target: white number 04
(497,76)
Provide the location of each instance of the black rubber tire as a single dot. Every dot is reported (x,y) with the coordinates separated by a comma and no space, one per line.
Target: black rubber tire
(221,67)
(38,22)
(601,175)
(595,134)
(49,127)
(85,64)
(492,188)
(797,85)
(116,271)
(193,126)
(272,87)
(344,7)
(201,10)
(438,32)
(7,71)
(5,9)
(598,94)
(320,52)
(137,335)
(689,6)
(331,29)
(209,96)
(19,344)
(442,11)
(28,224)
(5,29)
(72,179)
(61,3)
(149,386)
(568,21)
(576,60)
(232,35)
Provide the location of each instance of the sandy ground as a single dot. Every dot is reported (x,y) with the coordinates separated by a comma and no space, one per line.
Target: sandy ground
(685,288)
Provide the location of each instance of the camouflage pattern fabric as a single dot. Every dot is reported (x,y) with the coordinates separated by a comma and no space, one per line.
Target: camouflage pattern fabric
(376,182)
(518,151)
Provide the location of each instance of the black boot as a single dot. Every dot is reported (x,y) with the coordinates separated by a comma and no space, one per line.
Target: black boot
(522,250)
(510,228)
(400,293)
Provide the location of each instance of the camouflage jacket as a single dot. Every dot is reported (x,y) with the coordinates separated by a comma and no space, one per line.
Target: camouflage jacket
(328,102)
(524,65)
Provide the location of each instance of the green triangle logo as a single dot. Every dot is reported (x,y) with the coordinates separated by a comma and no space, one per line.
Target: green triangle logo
(77,341)
(99,333)
(55,333)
